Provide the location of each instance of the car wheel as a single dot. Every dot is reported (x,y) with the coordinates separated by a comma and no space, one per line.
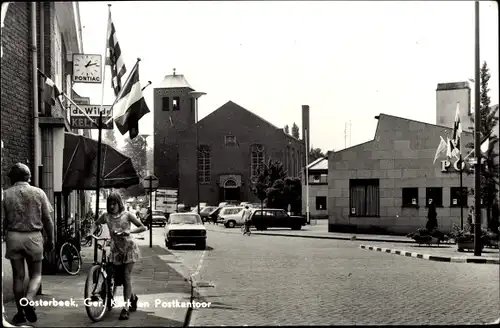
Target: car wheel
(201,245)
(231,224)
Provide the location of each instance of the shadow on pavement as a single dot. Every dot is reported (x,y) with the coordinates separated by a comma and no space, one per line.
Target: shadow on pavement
(190,248)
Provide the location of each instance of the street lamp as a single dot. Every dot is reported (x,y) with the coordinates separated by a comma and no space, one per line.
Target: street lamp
(196,95)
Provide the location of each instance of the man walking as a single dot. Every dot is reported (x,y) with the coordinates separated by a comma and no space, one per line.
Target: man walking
(26,211)
(246,220)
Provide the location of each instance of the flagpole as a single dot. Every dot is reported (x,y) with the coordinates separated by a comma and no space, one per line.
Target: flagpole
(461,166)
(99,131)
(121,90)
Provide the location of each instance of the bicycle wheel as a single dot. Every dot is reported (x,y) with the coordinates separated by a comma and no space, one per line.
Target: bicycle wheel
(70,259)
(96,294)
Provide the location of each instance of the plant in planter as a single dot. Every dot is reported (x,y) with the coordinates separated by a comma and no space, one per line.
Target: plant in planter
(425,236)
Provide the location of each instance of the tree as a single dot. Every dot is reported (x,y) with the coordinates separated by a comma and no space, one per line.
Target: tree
(110,139)
(295,131)
(293,194)
(136,150)
(260,184)
(150,158)
(489,121)
(315,153)
(287,129)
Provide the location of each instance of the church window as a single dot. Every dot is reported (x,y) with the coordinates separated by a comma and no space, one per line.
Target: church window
(165,104)
(204,164)
(257,158)
(176,103)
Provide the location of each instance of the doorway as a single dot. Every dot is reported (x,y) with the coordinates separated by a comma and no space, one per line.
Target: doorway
(230,191)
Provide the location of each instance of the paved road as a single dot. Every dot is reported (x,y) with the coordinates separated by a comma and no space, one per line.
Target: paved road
(270,280)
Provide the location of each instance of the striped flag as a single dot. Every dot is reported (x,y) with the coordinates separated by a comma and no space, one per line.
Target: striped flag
(441,149)
(457,132)
(130,105)
(114,58)
(50,90)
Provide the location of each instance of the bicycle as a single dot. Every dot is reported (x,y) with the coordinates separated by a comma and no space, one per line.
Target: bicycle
(86,241)
(69,257)
(100,277)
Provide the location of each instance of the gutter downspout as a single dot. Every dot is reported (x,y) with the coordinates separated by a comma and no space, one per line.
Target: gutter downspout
(36,129)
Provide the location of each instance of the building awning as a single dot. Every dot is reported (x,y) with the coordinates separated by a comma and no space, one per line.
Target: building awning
(80,165)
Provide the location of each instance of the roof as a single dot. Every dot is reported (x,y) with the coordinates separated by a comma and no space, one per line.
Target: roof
(174,81)
(452,86)
(319,164)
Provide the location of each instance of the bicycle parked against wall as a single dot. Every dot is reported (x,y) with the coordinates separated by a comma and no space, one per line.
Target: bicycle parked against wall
(69,257)
(85,232)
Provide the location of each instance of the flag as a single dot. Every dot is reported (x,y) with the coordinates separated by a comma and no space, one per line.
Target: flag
(457,130)
(115,58)
(131,106)
(485,145)
(50,90)
(441,149)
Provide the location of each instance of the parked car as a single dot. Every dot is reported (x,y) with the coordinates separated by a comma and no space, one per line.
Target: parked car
(276,218)
(215,213)
(205,212)
(159,219)
(195,209)
(185,228)
(231,216)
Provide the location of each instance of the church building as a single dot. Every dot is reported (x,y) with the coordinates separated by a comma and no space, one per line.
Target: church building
(232,141)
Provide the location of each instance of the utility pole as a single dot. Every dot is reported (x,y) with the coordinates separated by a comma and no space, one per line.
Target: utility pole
(477,140)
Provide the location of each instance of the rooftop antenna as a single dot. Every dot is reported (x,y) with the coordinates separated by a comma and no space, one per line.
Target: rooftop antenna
(174,71)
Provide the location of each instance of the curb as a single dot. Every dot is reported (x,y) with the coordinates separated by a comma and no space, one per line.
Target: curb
(449,259)
(337,238)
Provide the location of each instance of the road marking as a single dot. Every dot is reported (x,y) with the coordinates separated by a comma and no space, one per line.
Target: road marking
(200,264)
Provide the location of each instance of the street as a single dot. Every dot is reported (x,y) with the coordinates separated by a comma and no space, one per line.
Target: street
(272,280)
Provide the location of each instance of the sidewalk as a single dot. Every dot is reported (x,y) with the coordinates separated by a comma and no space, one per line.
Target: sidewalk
(153,279)
(442,253)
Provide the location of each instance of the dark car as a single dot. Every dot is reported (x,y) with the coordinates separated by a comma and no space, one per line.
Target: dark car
(276,218)
(159,219)
(205,212)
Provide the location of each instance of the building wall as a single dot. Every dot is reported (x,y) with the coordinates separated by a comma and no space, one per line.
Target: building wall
(447,96)
(16,90)
(320,190)
(226,160)
(400,156)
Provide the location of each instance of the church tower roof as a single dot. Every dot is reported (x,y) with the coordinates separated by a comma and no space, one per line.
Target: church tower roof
(174,81)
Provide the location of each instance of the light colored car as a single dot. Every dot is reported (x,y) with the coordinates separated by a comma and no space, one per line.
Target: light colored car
(185,228)
(231,216)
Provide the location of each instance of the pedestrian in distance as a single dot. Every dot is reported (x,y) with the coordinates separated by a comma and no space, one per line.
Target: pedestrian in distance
(246,219)
(27,212)
(124,251)
(431,217)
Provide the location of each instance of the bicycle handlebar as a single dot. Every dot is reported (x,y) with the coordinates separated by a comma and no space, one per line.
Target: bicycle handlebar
(100,238)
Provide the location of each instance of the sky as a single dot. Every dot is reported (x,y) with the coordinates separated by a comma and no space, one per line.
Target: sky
(349,61)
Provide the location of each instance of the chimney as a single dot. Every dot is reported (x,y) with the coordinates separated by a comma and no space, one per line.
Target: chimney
(305,125)
(447,96)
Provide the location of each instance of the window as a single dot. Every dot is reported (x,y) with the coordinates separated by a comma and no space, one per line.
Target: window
(257,158)
(318,178)
(410,197)
(458,198)
(436,194)
(204,164)
(229,140)
(321,203)
(165,104)
(364,197)
(176,103)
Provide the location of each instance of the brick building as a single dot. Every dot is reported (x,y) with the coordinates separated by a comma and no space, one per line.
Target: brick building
(39,142)
(232,143)
(384,185)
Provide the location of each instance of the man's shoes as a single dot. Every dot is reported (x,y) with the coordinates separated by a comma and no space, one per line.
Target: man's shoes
(30,313)
(19,318)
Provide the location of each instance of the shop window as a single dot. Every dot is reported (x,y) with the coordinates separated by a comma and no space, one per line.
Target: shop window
(364,197)
(458,197)
(320,203)
(436,194)
(410,197)
(165,104)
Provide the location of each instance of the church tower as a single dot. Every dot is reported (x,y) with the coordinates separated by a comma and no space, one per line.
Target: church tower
(174,113)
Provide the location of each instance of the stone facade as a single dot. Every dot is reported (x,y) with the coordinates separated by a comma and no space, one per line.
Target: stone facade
(400,156)
(318,189)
